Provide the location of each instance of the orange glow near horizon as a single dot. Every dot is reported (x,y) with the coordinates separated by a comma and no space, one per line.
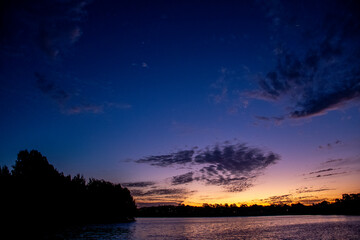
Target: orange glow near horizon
(298,190)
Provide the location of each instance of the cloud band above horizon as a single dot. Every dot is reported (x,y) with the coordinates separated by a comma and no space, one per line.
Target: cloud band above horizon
(231,166)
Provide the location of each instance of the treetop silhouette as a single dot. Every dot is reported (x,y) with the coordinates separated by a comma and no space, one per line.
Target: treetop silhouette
(35,192)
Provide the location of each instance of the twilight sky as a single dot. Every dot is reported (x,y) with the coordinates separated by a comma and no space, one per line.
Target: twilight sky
(187,101)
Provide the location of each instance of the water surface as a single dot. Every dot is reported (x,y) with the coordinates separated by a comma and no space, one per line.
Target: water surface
(264,227)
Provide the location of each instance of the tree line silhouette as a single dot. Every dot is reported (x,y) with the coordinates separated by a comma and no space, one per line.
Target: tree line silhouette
(34,193)
(348,205)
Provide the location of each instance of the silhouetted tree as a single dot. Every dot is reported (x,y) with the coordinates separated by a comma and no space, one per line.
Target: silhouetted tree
(79,180)
(35,192)
(4,172)
(33,165)
(349,204)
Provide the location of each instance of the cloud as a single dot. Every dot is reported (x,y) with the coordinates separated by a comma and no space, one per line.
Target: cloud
(335,167)
(84,108)
(349,163)
(323,170)
(313,95)
(321,73)
(52,26)
(160,196)
(183,178)
(325,173)
(231,184)
(330,174)
(181,157)
(160,192)
(221,85)
(232,166)
(293,199)
(333,161)
(225,90)
(69,103)
(118,105)
(276,120)
(158,203)
(280,199)
(330,145)
(139,184)
(311,190)
(299,195)
(50,89)
(313,200)
(262,118)
(62,97)
(236,159)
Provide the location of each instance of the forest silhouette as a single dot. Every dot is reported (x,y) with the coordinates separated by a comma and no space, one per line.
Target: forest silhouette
(348,205)
(34,194)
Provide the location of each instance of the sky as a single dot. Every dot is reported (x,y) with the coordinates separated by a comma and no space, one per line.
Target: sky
(187,102)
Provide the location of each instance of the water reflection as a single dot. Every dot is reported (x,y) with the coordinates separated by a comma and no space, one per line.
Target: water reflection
(98,231)
(268,227)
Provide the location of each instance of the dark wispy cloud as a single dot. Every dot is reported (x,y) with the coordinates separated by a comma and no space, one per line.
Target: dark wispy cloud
(52,26)
(180,157)
(322,170)
(231,184)
(221,85)
(139,184)
(330,145)
(158,203)
(322,72)
(70,103)
(280,199)
(328,172)
(161,192)
(263,118)
(348,164)
(225,90)
(155,196)
(31,30)
(84,108)
(236,159)
(233,166)
(313,200)
(52,90)
(275,120)
(333,161)
(183,178)
(335,167)
(311,190)
(294,199)
(63,97)
(302,195)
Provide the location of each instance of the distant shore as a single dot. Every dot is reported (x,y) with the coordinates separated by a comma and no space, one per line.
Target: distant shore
(348,205)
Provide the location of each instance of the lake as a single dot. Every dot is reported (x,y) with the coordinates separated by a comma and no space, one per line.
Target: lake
(263,227)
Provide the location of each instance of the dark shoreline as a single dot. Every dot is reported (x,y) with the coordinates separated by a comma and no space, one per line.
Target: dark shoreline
(345,215)
(348,205)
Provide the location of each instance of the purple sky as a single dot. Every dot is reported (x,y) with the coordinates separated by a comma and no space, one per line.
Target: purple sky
(187,101)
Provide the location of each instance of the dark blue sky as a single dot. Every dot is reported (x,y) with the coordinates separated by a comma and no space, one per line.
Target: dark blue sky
(187,101)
